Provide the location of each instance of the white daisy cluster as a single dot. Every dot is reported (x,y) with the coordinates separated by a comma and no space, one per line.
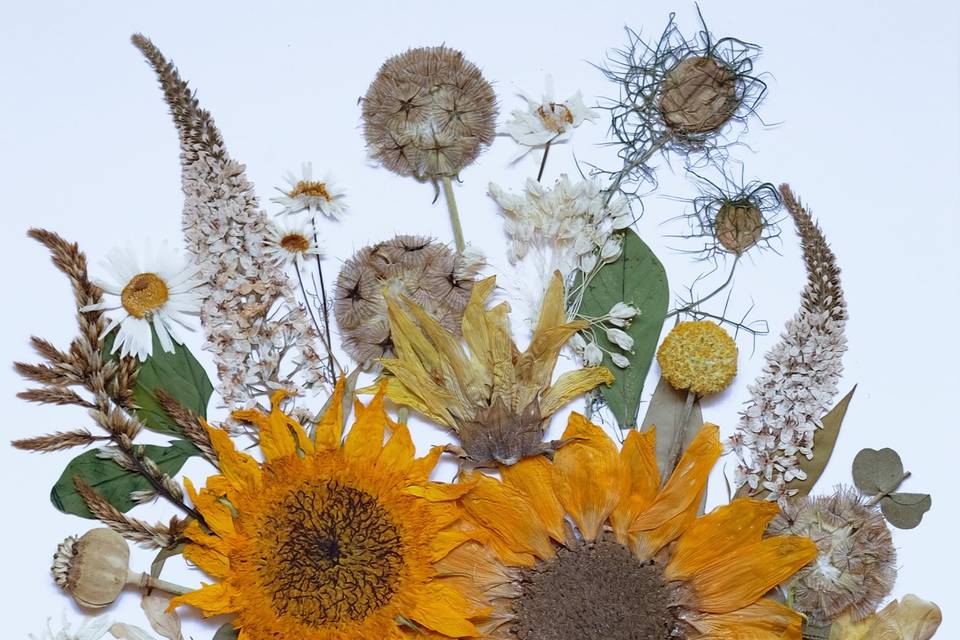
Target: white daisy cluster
(567,227)
(795,391)
(585,345)
(547,120)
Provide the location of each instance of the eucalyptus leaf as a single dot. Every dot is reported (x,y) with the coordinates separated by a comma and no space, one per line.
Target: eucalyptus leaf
(905,510)
(177,373)
(110,480)
(226,632)
(824,441)
(638,278)
(876,472)
(666,411)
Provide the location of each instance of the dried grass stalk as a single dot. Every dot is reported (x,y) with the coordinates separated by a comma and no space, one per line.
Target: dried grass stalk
(150,536)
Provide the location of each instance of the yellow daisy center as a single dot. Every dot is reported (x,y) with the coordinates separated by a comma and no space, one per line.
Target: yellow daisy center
(295,243)
(310,188)
(329,554)
(144,294)
(698,356)
(555,116)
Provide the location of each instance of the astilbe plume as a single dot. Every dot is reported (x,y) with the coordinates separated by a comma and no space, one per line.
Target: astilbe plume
(255,327)
(799,379)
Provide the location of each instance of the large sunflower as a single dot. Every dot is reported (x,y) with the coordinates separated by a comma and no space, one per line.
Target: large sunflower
(328,538)
(590,545)
(497,399)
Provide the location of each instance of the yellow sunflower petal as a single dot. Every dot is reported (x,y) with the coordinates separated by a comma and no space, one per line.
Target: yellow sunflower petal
(587,476)
(329,432)
(723,531)
(210,560)
(475,328)
(505,512)
(240,469)
(741,577)
(421,468)
(446,541)
(440,491)
(215,514)
(365,439)
(570,385)
(533,478)
(210,599)
(648,543)
(638,458)
(280,435)
(411,386)
(397,454)
(762,620)
(687,481)
(444,610)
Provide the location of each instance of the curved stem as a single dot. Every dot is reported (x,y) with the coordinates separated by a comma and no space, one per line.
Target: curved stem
(543,161)
(454,214)
(697,303)
(633,164)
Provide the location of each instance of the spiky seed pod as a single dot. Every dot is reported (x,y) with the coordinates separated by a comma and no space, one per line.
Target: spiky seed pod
(738,226)
(412,267)
(92,568)
(699,95)
(428,113)
(856,567)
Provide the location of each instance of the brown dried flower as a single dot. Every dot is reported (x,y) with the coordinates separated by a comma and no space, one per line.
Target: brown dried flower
(429,113)
(856,567)
(699,95)
(414,267)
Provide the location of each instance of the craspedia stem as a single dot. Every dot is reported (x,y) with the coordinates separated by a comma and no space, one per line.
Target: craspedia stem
(454,214)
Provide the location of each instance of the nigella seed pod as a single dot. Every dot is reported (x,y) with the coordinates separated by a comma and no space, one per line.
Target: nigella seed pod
(92,568)
(699,95)
(738,226)
(428,113)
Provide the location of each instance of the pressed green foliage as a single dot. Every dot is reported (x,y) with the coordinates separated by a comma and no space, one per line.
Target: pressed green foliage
(638,278)
(666,411)
(110,480)
(156,567)
(824,441)
(177,373)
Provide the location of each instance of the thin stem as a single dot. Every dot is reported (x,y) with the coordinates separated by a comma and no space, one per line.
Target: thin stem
(331,361)
(543,161)
(146,581)
(697,303)
(633,164)
(306,298)
(679,436)
(454,214)
(883,494)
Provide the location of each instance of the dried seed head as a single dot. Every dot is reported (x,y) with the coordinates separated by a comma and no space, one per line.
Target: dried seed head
(92,568)
(738,226)
(413,267)
(699,95)
(856,567)
(428,113)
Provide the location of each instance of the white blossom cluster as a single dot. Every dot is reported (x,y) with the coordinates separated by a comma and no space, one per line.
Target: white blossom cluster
(796,389)
(585,344)
(566,227)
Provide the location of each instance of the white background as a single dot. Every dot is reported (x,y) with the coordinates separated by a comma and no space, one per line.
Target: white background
(864,96)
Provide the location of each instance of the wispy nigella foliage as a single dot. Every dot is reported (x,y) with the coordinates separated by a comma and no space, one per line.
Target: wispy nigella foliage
(677,94)
(799,380)
(260,336)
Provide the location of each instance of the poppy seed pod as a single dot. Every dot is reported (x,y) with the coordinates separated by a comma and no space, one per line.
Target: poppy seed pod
(92,568)
(428,113)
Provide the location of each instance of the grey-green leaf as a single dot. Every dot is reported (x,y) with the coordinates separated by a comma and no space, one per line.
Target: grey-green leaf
(638,278)
(226,632)
(161,559)
(177,373)
(824,441)
(905,510)
(110,480)
(666,411)
(877,471)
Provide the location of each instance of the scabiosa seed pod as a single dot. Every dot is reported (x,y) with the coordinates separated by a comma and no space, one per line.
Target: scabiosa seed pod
(428,113)
(412,267)
(92,568)
(699,95)
(856,566)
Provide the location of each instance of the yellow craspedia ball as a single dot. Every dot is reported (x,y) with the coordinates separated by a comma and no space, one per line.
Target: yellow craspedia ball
(698,356)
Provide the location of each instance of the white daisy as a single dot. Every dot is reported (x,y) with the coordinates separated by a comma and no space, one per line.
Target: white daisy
(547,120)
(307,194)
(284,245)
(155,291)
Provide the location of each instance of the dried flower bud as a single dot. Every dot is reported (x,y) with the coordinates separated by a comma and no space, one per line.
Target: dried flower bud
(738,226)
(428,113)
(620,338)
(592,355)
(94,568)
(414,267)
(699,95)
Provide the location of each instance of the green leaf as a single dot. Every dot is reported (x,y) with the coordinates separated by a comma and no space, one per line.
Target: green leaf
(666,411)
(226,632)
(637,277)
(165,554)
(824,441)
(110,480)
(876,472)
(177,373)
(905,510)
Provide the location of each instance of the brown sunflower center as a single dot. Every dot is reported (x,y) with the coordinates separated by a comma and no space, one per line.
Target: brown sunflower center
(295,243)
(310,188)
(699,95)
(332,554)
(594,590)
(555,116)
(144,294)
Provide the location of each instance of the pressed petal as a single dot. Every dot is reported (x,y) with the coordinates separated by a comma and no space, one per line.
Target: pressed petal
(648,543)
(443,610)
(397,454)
(572,384)
(440,491)
(638,459)
(533,477)
(587,475)
(210,560)
(724,530)
(240,469)
(365,439)
(762,620)
(408,340)
(505,511)
(329,432)
(741,577)
(423,394)
(686,482)
(280,435)
(421,468)
(210,599)
(216,514)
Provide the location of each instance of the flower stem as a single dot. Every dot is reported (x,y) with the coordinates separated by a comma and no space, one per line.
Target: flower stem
(543,161)
(454,214)
(146,581)
(883,494)
(679,436)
